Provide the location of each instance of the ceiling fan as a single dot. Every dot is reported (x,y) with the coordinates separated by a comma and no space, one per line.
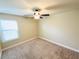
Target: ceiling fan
(38,13)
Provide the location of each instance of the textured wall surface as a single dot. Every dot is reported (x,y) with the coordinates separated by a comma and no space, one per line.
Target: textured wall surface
(39,49)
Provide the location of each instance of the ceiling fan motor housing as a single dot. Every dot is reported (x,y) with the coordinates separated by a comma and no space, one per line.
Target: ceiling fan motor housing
(36,9)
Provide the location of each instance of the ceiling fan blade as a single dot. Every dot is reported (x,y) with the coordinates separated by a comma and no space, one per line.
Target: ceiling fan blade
(45,15)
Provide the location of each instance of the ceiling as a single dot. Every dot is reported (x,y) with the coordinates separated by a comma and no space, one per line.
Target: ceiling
(21,7)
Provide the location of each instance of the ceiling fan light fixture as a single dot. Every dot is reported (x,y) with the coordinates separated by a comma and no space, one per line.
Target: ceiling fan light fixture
(36,15)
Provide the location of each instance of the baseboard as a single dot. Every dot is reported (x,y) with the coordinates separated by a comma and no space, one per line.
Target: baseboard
(18,44)
(62,45)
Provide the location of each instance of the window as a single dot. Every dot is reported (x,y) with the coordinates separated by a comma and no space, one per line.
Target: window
(9,30)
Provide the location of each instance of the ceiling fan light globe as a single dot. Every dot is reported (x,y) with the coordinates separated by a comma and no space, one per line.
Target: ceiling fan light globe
(36,17)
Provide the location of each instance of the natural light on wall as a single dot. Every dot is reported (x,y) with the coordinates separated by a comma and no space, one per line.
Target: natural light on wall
(9,30)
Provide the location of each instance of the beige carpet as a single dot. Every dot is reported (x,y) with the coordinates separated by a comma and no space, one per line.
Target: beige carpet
(39,49)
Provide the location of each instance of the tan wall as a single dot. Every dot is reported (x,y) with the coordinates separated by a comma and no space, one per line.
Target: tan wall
(27,28)
(62,27)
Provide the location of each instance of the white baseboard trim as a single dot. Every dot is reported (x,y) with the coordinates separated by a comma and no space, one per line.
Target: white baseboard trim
(18,44)
(62,45)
